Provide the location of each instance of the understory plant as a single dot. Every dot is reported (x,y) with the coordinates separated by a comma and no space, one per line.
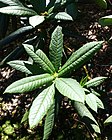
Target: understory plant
(50,77)
(106,21)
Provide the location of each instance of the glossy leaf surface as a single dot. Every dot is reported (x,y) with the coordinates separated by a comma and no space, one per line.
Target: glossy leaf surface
(70,88)
(25,66)
(63,16)
(99,103)
(56,47)
(87,117)
(17,10)
(81,56)
(41,105)
(15,35)
(91,101)
(95,82)
(12,2)
(36,20)
(108,120)
(29,83)
(106,21)
(40,58)
(49,121)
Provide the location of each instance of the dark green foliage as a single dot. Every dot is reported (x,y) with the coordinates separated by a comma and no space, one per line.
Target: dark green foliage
(46,71)
(52,78)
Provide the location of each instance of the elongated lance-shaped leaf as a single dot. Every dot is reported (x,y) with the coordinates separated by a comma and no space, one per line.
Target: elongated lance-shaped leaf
(60,15)
(20,65)
(49,121)
(17,10)
(29,83)
(95,82)
(106,21)
(84,49)
(87,117)
(25,116)
(40,58)
(12,2)
(51,115)
(63,16)
(79,57)
(41,105)
(108,120)
(25,66)
(56,47)
(94,92)
(70,88)
(99,103)
(15,35)
(91,101)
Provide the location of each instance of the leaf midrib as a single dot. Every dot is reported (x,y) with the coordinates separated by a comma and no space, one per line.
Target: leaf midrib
(32,82)
(73,89)
(18,8)
(41,103)
(49,64)
(56,58)
(72,62)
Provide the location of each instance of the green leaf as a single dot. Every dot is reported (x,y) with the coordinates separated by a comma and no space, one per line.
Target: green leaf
(91,101)
(106,21)
(25,116)
(40,58)
(63,16)
(19,33)
(108,120)
(50,4)
(18,11)
(94,92)
(79,57)
(101,3)
(70,88)
(56,47)
(95,82)
(4,23)
(86,90)
(41,105)
(25,66)
(99,103)
(36,20)
(72,10)
(49,122)
(29,83)
(60,16)
(21,66)
(87,117)
(83,81)
(12,2)
(52,115)
(38,5)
